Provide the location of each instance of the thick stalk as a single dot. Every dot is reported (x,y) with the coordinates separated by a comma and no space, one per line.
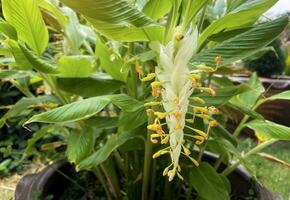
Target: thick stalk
(255,150)
(147,160)
(153,180)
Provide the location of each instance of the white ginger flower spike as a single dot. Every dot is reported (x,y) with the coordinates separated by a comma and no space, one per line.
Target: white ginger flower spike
(177,84)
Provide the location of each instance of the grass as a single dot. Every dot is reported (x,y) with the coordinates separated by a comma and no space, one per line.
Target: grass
(272,175)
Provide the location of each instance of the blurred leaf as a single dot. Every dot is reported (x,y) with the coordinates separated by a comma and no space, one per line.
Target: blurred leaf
(221,146)
(24,103)
(209,184)
(89,87)
(26,18)
(15,74)
(282,96)
(18,55)
(80,144)
(157,8)
(38,63)
(110,62)
(75,66)
(247,13)
(8,30)
(243,45)
(102,122)
(270,130)
(86,108)
(132,120)
(104,152)
(274,159)
(221,132)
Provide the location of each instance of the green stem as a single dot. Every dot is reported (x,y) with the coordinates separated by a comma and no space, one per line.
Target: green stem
(147,160)
(255,150)
(22,89)
(102,180)
(111,180)
(153,180)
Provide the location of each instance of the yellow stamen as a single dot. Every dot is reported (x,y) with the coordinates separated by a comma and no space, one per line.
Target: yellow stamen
(165,140)
(186,150)
(171,174)
(178,126)
(208,90)
(152,103)
(200,109)
(180,177)
(194,161)
(213,110)
(176,100)
(160,115)
(196,85)
(149,77)
(218,60)
(198,99)
(149,111)
(139,69)
(190,121)
(204,116)
(205,68)
(194,77)
(165,171)
(213,123)
(156,84)
(201,133)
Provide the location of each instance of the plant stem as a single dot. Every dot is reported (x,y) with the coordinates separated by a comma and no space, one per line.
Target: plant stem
(153,180)
(101,178)
(255,150)
(147,160)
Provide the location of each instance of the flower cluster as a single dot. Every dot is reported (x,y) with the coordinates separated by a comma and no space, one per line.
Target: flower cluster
(172,89)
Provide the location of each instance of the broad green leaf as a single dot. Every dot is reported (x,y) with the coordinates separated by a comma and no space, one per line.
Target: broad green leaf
(102,122)
(269,130)
(157,8)
(246,110)
(208,183)
(118,21)
(243,45)
(247,100)
(21,60)
(221,146)
(80,144)
(109,62)
(223,95)
(247,13)
(38,63)
(90,86)
(110,11)
(54,11)
(15,74)
(75,66)
(24,103)
(25,16)
(283,96)
(104,152)
(29,150)
(8,30)
(132,120)
(86,108)
(221,132)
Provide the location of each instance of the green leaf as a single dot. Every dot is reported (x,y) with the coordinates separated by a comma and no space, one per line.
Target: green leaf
(89,87)
(208,183)
(110,11)
(221,132)
(15,74)
(247,13)
(37,63)
(24,103)
(8,30)
(54,11)
(109,62)
(105,151)
(243,45)
(223,95)
(18,55)
(269,130)
(75,66)
(80,144)
(157,8)
(86,108)
(25,16)
(282,96)
(132,120)
(102,122)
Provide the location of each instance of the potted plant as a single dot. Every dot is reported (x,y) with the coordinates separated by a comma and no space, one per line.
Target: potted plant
(136,105)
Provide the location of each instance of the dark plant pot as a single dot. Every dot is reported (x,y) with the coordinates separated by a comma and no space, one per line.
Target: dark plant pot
(51,182)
